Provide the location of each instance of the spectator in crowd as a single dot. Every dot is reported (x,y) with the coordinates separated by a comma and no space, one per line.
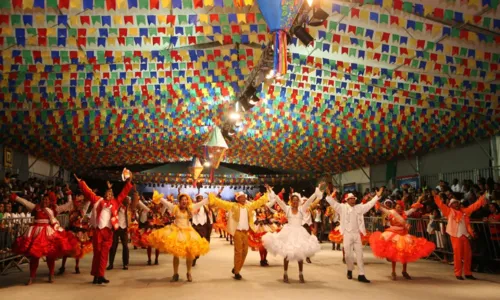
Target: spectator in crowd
(442,185)
(456,187)
(494,217)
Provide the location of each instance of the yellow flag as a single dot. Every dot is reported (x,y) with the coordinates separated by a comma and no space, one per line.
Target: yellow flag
(118,20)
(242,18)
(166,3)
(203,18)
(26,4)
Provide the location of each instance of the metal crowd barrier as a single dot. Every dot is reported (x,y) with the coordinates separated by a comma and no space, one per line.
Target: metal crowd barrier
(485,244)
(10,230)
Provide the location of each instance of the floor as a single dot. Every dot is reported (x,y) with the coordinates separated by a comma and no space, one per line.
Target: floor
(212,280)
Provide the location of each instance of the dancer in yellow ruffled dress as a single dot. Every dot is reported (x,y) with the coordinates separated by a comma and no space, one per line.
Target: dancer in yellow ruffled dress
(179,238)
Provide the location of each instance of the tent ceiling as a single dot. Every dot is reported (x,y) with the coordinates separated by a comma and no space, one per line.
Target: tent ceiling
(98,83)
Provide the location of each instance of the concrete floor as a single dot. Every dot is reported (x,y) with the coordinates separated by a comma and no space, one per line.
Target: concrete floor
(212,280)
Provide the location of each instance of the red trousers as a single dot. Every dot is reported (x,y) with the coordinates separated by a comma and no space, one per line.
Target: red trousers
(34,261)
(102,241)
(461,252)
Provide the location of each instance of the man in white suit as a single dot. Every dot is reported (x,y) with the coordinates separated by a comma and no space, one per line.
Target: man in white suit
(352,224)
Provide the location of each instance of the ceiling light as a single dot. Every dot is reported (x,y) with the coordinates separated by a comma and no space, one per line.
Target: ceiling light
(301,33)
(206,164)
(319,16)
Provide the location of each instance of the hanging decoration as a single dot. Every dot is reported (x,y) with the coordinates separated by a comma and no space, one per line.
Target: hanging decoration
(215,147)
(195,168)
(279,15)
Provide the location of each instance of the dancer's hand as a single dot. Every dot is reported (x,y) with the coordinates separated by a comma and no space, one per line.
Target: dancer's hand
(77,179)
(109,184)
(380,191)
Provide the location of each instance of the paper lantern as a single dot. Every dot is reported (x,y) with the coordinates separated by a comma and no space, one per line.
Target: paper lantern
(215,147)
(196,168)
(279,16)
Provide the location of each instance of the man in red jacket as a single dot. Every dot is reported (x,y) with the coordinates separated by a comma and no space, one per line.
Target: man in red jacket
(104,220)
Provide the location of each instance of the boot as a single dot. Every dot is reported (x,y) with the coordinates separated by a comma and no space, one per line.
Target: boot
(362,278)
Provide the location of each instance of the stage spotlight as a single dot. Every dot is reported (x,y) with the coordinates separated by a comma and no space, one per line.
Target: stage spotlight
(319,16)
(206,164)
(303,36)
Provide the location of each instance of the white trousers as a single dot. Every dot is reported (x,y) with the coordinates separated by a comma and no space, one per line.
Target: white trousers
(352,243)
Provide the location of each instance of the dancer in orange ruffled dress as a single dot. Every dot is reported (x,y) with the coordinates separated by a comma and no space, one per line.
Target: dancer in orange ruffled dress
(152,217)
(395,243)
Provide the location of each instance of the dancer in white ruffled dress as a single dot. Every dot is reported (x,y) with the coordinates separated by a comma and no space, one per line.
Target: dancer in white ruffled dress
(293,242)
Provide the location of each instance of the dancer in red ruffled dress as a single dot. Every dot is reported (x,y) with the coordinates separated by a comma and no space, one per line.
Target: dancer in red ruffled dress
(45,238)
(79,226)
(396,244)
(152,217)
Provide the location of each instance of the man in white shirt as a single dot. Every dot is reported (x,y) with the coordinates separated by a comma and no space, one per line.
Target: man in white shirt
(122,234)
(352,224)
(202,222)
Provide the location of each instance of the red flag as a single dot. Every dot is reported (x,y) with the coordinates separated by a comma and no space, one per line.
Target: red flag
(111,4)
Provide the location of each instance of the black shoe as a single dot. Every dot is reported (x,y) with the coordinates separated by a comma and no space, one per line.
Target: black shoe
(102,280)
(96,280)
(308,260)
(61,271)
(149,262)
(460,278)
(232,271)
(349,274)
(156,262)
(362,278)
(470,277)
(175,278)
(125,267)
(110,267)
(237,276)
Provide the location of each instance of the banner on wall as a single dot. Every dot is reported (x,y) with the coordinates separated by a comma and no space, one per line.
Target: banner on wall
(350,187)
(412,180)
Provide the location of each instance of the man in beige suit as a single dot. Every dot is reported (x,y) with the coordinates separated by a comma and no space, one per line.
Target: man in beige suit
(240,221)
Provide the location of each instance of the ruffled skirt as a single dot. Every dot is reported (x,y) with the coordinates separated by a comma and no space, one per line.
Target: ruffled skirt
(292,242)
(44,241)
(84,244)
(403,248)
(180,242)
(140,237)
(255,237)
(336,237)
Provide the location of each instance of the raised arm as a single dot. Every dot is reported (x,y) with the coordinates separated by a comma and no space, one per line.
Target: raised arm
(214,201)
(443,207)
(316,195)
(364,208)
(30,206)
(165,204)
(87,192)
(124,193)
(276,198)
(258,203)
(476,205)
(198,205)
(66,206)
